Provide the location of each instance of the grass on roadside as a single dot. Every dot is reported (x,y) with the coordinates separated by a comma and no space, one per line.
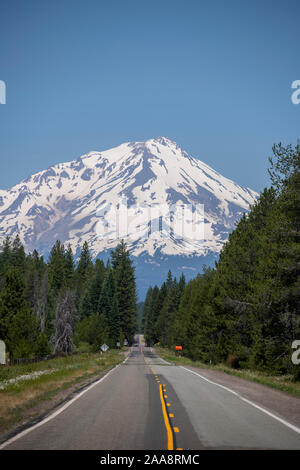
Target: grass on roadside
(283,383)
(16,399)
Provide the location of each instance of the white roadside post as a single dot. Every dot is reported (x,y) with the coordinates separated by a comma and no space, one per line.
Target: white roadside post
(2,353)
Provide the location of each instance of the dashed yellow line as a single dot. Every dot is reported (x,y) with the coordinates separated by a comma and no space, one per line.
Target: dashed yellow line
(164,405)
(167,424)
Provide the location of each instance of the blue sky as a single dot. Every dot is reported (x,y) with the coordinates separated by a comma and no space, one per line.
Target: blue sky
(215,76)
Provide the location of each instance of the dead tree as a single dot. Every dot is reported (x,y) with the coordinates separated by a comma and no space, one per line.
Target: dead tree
(62,339)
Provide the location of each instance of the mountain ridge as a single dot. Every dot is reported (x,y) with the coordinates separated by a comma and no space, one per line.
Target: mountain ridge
(70,201)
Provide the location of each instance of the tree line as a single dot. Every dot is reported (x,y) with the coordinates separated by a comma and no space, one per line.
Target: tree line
(59,305)
(246,310)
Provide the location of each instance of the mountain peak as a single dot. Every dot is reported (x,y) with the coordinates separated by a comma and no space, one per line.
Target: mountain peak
(163,141)
(63,201)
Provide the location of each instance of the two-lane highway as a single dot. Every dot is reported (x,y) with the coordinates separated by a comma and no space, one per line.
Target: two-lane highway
(146,403)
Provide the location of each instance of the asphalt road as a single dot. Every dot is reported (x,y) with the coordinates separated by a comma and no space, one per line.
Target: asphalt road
(147,404)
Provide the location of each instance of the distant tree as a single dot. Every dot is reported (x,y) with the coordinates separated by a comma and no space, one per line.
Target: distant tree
(43,301)
(90,299)
(18,254)
(5,256)
(126,290)
(56,270)
(108,306)
(69,266)
(83,272)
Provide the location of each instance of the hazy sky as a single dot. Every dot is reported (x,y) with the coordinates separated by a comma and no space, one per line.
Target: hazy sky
(82,75)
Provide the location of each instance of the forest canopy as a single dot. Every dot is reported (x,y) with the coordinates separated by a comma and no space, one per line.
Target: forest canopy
(59,305)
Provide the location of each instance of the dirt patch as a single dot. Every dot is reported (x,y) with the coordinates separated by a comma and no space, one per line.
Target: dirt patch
(280,403)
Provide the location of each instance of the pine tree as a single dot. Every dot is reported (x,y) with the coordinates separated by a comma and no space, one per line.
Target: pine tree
(18,254)
(43,301)
(90,299)
(69,267)
(22,334)
(126,290)
(5,256)
(56,269)
(108,306)
(12,299)
(83,271)
(18,326)
(147,316)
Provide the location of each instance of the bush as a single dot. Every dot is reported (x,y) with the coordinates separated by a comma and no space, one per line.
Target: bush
(42,347)
(92,330)
(83,347)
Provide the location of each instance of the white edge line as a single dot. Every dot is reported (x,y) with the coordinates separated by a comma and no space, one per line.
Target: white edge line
(60,410)
(286,423)
(161,359)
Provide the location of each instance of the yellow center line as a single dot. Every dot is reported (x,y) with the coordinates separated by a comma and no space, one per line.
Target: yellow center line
(163,405)
(167,424)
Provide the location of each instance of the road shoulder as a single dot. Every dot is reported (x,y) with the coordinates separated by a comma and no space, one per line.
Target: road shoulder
(280,403)
(30,415)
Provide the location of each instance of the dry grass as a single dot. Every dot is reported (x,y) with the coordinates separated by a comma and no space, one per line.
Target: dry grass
(23,400)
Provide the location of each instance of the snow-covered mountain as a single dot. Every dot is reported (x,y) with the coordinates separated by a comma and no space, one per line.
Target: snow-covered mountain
(82,200)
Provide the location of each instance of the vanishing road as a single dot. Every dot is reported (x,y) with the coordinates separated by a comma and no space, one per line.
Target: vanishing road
(146,403)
